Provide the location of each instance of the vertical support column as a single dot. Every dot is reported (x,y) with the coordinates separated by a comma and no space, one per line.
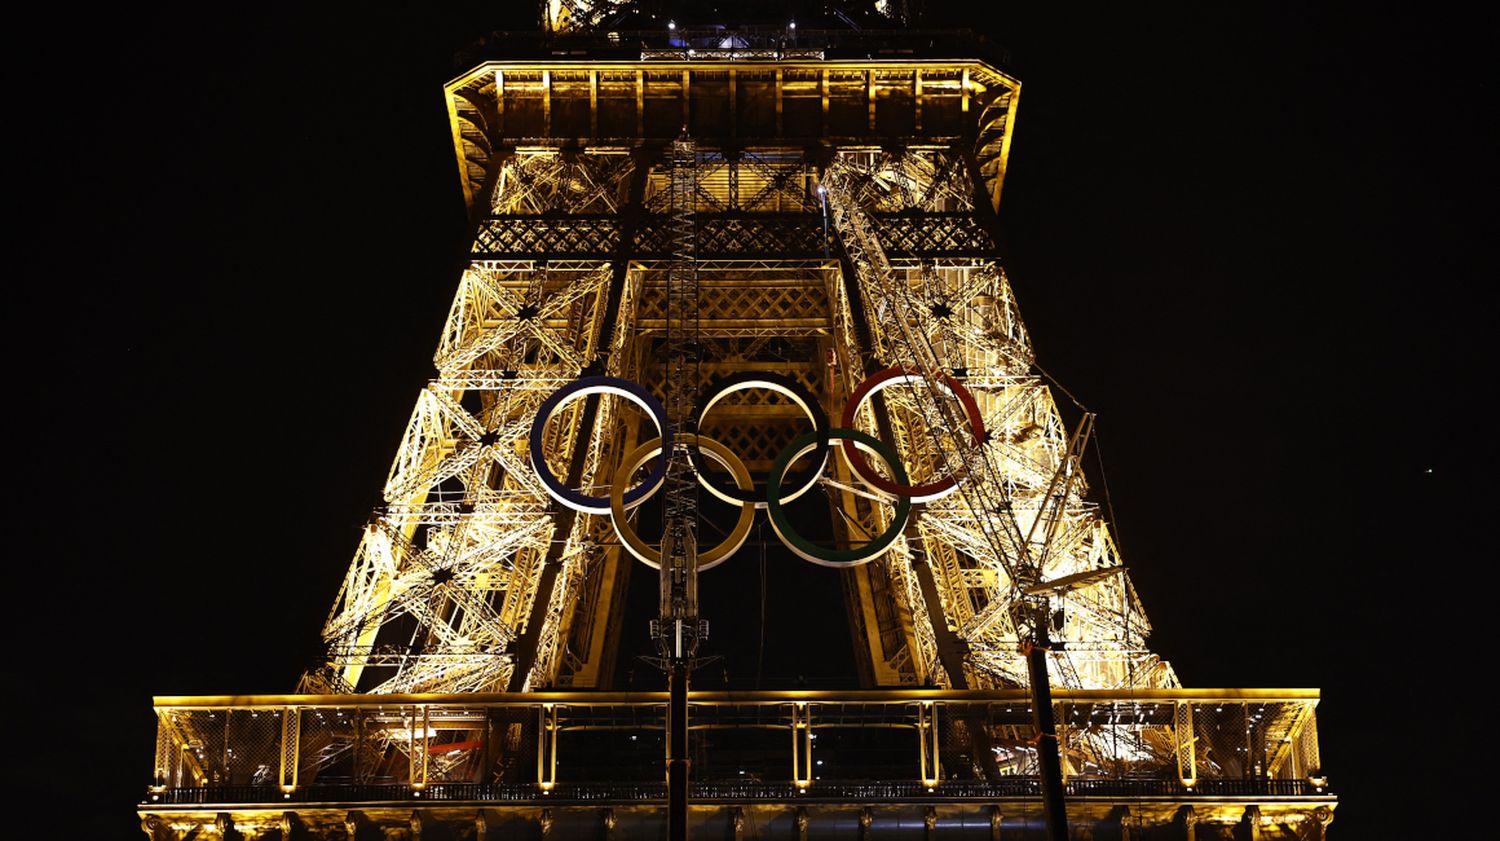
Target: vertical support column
(1309,760)
(677,627)
(546,103)
(678,763)
(166,752)
(1186,740)
(416,754)
(778,102)
(1053,808)
(801,745)
(593,104)
(823,87)
(963,89)
(1248,771)
(916,90)
(291,733)
(927,738)
(500,102)
(687,113)
(870,90)
(734,98)
(546,747)
(640,103)
(1060,713)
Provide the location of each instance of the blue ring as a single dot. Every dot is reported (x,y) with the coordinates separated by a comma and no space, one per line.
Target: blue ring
(578,500)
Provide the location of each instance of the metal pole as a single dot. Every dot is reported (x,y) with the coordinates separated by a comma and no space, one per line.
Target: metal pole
(1048,758)
(678,629)
(677,751)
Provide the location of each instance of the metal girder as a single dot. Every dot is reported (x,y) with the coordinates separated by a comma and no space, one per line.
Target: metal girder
(724,236)
(569,273)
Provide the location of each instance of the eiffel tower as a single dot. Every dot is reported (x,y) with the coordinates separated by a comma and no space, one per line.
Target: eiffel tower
(729,280)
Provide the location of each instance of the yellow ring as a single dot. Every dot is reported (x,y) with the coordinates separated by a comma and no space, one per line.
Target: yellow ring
(720,453)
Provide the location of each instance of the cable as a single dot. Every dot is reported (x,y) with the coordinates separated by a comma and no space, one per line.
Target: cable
(1109,504)
(1060,387)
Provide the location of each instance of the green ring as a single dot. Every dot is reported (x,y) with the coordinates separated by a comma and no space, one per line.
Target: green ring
(801,546)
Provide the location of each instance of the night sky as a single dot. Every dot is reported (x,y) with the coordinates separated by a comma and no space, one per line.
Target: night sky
(1250,240)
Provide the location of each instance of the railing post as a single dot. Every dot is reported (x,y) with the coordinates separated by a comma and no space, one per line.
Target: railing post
(802,764)
(1061,714)
(291,733)
(166,747)
(1186,739)
(417,754)
(546,750)
(927,739)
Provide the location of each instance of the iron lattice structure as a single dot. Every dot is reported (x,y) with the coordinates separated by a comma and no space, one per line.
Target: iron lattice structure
(783,226)
(838,221)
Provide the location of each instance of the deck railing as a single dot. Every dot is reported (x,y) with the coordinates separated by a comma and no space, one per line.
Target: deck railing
(870,745)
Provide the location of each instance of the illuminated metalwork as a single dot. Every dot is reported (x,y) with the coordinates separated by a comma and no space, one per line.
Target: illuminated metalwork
(772,219)
(820,265)
(508,755)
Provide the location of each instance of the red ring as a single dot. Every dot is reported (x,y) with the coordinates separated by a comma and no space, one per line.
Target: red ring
(918,493)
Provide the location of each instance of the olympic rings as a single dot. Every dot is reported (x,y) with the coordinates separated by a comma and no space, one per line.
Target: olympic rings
(582,387)
(786,387)
(804,548)
(622,498)
(878,382)
(639,456)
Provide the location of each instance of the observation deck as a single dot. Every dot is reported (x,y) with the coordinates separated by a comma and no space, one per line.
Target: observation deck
(795,764)
(731,88)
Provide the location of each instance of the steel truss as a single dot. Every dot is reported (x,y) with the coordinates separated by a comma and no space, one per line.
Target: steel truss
(1021,517)
(822,260)
(879,259)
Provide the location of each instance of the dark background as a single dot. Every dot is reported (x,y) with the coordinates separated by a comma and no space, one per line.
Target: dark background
(1254,240)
